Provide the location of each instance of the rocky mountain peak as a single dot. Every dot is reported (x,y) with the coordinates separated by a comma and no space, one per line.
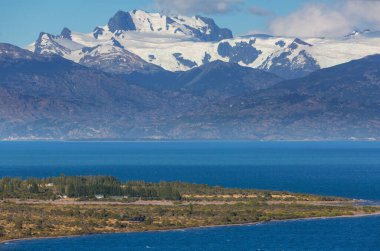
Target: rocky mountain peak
(202,28)
(121,21)
(66,33)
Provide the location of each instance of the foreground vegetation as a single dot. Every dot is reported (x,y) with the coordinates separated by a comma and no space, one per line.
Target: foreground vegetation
(65,206)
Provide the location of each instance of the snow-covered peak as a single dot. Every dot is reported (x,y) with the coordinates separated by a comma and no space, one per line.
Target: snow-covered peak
(180,43)
(113,58)
(198,27)
(47,44)
(292,61)
(108,55)
(357,33)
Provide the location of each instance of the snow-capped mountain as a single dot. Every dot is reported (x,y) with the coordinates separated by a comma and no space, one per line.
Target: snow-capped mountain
(198,27)
(140,41)
(49,97)
(292,62)
(109,55)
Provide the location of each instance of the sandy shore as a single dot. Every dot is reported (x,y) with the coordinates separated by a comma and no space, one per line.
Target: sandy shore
(359,215)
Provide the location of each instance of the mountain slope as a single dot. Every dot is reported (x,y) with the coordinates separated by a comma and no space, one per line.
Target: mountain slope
(225,79)
(335,103)
(51,97)
(114,59)
(292,62)
(216,79)
(198,27)
(109,56)
(48,96)
(139,40)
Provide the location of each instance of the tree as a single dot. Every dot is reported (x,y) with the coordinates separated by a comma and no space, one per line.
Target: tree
(18,223)
(118,224)
(29,232)
(149,221)
(2,231)
(168,193)
(33,187)
(70,190)
(191,209)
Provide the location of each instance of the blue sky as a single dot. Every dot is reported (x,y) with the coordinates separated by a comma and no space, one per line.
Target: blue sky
(22,20)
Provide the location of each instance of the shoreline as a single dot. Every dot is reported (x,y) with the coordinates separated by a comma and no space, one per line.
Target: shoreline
(5,242)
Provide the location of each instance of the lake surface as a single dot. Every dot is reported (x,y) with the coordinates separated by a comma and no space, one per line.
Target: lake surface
(350,169)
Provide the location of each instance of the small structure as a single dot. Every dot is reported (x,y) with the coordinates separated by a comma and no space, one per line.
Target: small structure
(99,196)
(137,219)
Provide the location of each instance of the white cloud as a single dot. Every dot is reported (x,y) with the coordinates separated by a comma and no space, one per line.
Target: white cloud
(198,6)
(314,20)
(367,12)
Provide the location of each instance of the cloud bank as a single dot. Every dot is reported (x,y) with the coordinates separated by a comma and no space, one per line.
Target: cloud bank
(198,6)
(319,20)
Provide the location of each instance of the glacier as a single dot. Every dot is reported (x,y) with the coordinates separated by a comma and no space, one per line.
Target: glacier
(143,41)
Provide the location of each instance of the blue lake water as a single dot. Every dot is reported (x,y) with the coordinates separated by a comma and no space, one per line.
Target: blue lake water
(350,169)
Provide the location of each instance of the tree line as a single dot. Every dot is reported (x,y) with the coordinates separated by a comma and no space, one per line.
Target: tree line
(84,187)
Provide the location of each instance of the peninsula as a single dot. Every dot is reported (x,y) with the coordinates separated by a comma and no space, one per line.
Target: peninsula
(67,206)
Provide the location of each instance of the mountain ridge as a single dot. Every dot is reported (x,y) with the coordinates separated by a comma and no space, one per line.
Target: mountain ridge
(217,78)
(198,27)
(49,97)
(180,43)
